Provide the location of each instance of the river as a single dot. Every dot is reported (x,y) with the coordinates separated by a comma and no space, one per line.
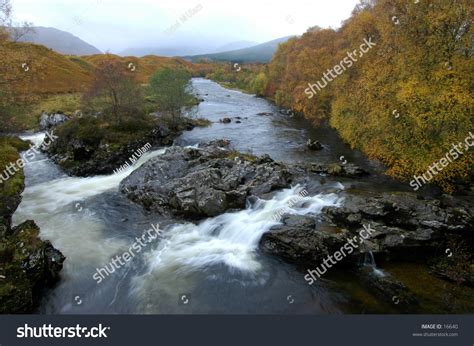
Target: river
(210,267)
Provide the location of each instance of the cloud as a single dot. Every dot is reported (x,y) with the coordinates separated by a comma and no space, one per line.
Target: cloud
(118,24)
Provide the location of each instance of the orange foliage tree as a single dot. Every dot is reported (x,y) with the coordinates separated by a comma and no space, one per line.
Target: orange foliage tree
(408,100)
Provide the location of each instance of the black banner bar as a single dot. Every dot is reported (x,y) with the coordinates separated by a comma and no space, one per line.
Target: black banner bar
(207,330)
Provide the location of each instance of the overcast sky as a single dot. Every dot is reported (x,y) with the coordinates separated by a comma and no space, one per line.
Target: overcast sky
(114,25)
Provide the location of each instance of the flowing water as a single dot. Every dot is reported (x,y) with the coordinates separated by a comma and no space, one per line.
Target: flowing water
(213,266)
(210,267)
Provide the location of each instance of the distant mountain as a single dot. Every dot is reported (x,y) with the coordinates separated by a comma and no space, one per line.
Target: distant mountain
(59,41)
(176,49)
(259,53)
(168,51)
(235,46)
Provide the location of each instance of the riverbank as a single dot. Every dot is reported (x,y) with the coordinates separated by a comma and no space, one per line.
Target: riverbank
(28,265)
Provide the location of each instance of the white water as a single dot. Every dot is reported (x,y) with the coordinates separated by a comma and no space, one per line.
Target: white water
(48,197)
(178,260)
(230,239)
(59,208)
(37,138)
(369,261)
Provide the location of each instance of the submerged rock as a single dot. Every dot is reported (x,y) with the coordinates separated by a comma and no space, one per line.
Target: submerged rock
(314,145)
(389,289)
(203,182)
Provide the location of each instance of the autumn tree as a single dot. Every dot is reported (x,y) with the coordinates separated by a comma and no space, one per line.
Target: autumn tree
(168,88)
(406,101)
(114,91)
(259,84)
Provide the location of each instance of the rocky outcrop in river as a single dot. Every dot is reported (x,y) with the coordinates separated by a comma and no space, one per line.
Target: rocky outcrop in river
(205,181)
(88,156)
(404,226)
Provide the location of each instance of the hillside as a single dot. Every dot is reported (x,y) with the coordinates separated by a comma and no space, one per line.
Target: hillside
(260,53)
(144,67)
(47,72)
(43,80)
(59,41)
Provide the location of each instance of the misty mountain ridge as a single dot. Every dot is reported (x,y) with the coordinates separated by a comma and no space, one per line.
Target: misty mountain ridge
(168,50)
(262,53)
(239,51)
(60,41)
(235,46)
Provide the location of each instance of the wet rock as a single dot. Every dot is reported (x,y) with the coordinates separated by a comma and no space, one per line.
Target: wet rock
(265,113)
(403,222)
(336,169)
(402,227)
(299,240)
(28,266)
(48,121)
(83,157)
(203,182)
(314,145)
(226,120)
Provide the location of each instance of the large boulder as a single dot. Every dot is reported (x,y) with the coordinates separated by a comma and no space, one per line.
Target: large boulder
(203,182)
